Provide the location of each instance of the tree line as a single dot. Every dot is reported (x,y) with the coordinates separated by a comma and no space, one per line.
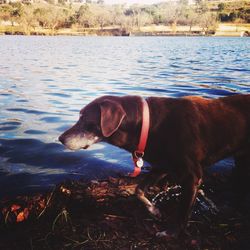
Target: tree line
(97,15)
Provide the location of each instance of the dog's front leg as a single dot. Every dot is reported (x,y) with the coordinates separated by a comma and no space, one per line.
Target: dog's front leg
(151,179)
(150,207)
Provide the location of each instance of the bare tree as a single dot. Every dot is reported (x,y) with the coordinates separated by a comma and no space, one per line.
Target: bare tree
(28,20)
(208,22)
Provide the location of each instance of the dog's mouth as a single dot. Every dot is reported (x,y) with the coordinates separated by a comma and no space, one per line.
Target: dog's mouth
(90,142)
(77,142)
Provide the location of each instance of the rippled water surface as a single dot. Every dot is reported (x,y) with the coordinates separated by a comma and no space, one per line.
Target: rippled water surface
(45,81)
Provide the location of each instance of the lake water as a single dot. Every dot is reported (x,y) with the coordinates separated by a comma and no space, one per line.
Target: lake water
(45,81)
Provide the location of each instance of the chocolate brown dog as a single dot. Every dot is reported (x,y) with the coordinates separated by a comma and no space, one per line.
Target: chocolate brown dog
(186,135)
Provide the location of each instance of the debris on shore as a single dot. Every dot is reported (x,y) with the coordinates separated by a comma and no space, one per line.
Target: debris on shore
(107,215)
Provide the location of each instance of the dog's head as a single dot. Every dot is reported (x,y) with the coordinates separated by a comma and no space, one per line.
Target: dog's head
(98,120)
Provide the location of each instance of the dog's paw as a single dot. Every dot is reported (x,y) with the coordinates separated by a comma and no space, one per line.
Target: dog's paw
(155,212)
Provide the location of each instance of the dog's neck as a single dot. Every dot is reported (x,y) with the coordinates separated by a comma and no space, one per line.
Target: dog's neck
(128,134)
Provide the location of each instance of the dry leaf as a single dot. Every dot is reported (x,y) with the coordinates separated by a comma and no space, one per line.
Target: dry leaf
(22,215)
(15,207)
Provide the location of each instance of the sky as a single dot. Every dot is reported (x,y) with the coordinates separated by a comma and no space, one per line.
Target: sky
(132,1)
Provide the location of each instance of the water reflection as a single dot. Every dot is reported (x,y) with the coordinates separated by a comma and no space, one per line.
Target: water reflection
(44,164)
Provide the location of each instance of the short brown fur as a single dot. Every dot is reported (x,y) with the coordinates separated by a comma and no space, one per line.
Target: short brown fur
(186,135)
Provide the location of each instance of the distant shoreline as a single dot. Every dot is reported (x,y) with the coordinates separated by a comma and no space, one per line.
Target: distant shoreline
(139,34)
(224,30)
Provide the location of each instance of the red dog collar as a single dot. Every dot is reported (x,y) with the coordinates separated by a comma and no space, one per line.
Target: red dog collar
(139,152)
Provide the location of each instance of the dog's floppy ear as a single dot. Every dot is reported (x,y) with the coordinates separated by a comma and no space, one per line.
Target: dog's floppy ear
(112,115)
